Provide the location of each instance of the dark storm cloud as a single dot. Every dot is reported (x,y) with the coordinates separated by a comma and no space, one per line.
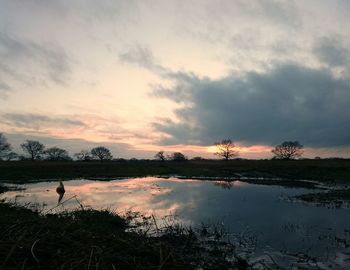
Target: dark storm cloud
(38,121)
(287,102)
(23,60)
(332,51)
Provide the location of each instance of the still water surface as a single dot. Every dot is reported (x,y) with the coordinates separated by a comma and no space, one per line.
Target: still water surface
(255,211)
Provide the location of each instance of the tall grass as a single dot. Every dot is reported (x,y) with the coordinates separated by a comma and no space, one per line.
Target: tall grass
(90,239)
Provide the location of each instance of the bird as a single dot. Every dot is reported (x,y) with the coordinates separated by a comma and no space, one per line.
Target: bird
(60,190)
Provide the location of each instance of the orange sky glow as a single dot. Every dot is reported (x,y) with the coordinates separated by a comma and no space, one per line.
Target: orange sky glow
(144,76)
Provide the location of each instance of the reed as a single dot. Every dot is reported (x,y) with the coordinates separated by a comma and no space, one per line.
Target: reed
(90,239)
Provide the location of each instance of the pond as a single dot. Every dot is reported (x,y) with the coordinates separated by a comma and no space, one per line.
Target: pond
(270,227)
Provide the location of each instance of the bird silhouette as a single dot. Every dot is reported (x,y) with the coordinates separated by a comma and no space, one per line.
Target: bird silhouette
(60,190)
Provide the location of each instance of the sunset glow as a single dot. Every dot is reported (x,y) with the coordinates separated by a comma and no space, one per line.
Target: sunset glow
(177,76)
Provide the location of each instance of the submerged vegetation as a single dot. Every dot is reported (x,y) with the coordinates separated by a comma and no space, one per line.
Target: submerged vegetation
(90,239)
(53,238)
(331,198)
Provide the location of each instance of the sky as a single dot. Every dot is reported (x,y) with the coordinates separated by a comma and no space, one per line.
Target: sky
(177,75)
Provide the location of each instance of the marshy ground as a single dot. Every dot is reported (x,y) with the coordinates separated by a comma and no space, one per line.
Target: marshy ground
(333,170)
(90,239)
(327,172)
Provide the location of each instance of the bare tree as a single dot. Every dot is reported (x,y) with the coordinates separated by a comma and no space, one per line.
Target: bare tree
(55,153)
(226,149)
(101,153)
(34,149)
(177,156)
(12,156)
(160,156)
(83,155)
(5,147)
(288,150)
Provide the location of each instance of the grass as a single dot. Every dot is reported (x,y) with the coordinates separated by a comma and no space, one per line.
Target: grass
(90,239)
(333,198)
(336,171)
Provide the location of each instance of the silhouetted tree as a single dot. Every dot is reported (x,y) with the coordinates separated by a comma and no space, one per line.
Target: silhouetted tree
(83,155)
(177,156)
(101,153)
(34,149)
(5,147)
(226,149)
(288,150)
(197,158)
(12,156)
(160,156)
(55,153)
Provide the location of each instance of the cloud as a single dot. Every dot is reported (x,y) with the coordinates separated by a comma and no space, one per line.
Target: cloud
(332,51)
(72,145)
(143,57)
(286,102)
(214,21)
(89,127)
(108,10)
(38,121)
(280,12)
(4,88)
(29,62)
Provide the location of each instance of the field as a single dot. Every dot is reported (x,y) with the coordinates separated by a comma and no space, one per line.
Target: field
(336,171)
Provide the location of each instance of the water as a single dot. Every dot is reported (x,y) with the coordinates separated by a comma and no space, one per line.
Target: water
(257,213)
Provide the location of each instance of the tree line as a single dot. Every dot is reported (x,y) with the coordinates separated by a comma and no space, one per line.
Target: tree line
(35,150)
(226,149)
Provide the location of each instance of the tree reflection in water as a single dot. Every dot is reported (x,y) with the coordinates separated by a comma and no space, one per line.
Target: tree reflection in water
(224,184)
